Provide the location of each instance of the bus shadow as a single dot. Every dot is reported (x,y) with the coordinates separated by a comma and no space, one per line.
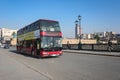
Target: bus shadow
(23,54)
(28,55)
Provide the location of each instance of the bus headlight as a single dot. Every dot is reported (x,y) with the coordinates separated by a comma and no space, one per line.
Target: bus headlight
(45,53)
(60,52)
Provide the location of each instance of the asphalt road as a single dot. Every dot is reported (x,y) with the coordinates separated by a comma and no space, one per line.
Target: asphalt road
(69,66)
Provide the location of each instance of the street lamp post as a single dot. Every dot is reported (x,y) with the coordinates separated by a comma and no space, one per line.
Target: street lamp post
(76,22)
(79,18)
(78,30)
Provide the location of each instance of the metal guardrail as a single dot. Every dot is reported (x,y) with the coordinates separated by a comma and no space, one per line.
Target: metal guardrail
(94,47)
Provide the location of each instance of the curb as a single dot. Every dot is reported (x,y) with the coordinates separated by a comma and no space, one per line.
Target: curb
(90,53)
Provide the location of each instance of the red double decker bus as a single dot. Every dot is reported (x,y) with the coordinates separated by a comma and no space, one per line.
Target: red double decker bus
(42,38)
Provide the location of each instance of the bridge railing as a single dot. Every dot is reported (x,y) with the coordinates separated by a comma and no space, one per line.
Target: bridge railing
(94,47)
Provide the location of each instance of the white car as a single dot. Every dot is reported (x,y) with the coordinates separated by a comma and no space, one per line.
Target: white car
(2,45)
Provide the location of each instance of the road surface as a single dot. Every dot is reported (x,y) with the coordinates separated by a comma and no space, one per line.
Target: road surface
(69,66)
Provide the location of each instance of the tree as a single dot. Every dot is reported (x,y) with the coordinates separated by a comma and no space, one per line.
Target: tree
(97,38)
(13,34)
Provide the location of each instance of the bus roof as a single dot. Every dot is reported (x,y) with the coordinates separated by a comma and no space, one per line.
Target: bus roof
(47,20)
(42,20)
(36,22)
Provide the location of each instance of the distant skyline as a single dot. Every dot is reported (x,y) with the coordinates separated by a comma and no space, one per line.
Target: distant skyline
(97,15)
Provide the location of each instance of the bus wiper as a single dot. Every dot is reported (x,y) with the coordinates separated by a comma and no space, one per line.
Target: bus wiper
(58,48)
(47,48)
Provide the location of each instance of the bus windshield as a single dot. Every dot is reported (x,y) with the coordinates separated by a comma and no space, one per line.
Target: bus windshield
(49,26)
(48,42)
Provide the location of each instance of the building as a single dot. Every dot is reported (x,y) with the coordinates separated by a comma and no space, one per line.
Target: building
(107,35)
(84,36)
(100,34)
(118,38)
(87,36)
(103,37)
(0,34)
(7,35)
(7,32)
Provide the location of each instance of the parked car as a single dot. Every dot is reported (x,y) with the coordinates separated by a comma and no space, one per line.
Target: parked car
(6,46)
(2,45)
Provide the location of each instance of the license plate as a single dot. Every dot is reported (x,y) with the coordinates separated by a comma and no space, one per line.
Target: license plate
(54,55)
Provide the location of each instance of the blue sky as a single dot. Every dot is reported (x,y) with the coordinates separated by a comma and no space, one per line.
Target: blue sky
(97,15)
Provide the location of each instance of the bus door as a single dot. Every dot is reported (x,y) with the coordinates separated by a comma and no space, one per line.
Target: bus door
(37,46)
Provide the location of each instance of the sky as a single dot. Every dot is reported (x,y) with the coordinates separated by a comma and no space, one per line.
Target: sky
(97,15)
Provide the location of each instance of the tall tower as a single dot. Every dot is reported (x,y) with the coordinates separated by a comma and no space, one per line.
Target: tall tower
(78,29)
(77,32)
